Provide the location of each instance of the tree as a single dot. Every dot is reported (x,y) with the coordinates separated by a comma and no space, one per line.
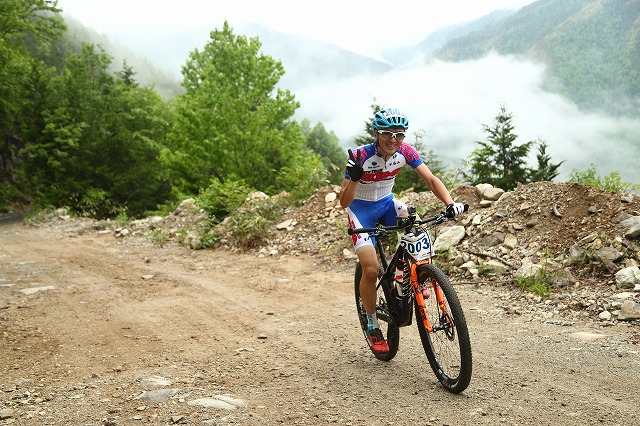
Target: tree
(325,144)
(126,75)
(499,161)
(502,163)
(232,123)
(367,136)
(99,147)
(37,18)
(546,171)
(20,20)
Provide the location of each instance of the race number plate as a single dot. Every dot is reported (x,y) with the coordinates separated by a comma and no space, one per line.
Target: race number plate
(418,246)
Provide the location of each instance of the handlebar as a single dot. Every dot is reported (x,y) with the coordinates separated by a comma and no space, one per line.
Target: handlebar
(406,222)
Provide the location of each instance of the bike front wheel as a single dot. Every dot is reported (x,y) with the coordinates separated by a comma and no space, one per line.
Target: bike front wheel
(390,331)
(447,346)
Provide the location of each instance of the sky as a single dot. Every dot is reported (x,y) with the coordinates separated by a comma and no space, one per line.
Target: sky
(362,26)
(449,103)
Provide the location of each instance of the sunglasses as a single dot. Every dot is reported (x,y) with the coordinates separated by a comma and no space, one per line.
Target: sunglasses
(386,134)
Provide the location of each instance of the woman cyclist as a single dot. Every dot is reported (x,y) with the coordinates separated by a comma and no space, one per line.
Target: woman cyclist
(367,196)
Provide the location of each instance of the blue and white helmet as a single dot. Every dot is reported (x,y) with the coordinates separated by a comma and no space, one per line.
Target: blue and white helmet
(390,117)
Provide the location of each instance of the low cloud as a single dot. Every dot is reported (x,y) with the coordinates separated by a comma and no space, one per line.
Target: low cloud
(451,101)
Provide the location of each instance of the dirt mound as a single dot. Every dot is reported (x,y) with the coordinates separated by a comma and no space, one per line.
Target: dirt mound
(544,216)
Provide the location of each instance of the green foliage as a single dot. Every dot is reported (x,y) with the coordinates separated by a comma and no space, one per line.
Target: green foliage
(20,21)
(546,171)
(250,226)
(499,161)
(99,136)
(221,198)
(302,177)
(539,283)
(611,182)
(502,163)
(97,203)
(232,123)
(29,18)
(325,144)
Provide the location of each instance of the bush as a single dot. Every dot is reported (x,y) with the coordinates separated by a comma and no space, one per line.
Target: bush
(539,284)
(250,226)
(612,182)
(220,199)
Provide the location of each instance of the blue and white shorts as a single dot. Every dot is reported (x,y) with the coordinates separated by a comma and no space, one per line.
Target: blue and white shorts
(365,214)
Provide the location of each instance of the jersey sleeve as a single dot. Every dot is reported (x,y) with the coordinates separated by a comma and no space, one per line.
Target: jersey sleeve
(411,155)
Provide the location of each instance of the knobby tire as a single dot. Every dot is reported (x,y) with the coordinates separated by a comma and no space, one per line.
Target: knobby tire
(448,350)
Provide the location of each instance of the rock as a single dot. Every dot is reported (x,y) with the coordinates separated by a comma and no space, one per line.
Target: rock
(576,254)
(223,402)
(628,277)
(330,197)
(510,241)
(495,266)
(565,278)
(629,310)
(159,395)
(481,188)
(488,192)
(607,255)
(502,213)
(449,238)
(287,224)
(528,270)
(34,290)
(348,254)
(633,232)
(195,242)
(492,240)
(605,315)
(155,381)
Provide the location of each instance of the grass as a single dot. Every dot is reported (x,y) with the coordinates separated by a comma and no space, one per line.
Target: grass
(539,284)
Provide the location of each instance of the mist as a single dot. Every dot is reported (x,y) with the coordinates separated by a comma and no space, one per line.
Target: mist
(450,102)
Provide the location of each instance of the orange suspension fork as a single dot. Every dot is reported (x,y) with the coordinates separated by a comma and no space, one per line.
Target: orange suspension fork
(415,285)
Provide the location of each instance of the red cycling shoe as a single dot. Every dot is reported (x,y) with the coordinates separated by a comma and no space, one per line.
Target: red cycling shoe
(377,342)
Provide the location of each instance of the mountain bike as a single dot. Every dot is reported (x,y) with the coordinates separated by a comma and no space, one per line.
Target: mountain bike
(411,281)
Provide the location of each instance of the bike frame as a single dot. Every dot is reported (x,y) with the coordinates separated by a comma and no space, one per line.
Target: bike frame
(415,285)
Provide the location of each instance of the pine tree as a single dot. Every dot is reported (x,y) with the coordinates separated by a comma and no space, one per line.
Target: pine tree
(502,163)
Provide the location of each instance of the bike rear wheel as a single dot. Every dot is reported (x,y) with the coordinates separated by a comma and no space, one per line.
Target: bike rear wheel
(390,330)
(448,346)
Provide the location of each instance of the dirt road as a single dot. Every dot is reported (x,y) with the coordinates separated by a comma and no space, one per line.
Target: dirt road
(94,331)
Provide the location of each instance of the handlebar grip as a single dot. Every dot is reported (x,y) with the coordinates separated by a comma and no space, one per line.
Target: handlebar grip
(466,207)
(352,231)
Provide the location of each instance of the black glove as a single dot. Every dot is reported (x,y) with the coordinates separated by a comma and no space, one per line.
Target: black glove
(354,168)
(454,210)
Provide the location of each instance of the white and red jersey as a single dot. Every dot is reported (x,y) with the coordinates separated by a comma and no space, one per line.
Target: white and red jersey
(379,175)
